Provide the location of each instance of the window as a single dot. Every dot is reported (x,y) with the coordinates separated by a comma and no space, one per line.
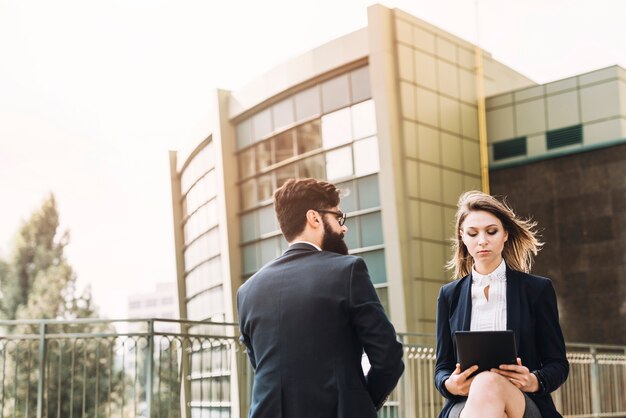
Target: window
(363,119)
(307,103)
(360,84)
(339,163)
(335,93)
(366,156)
(564,137)
(336,128)
(309,137)
(376,267)
(510,148)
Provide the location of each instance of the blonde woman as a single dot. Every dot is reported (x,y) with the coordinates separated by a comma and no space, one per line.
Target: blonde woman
(493,254)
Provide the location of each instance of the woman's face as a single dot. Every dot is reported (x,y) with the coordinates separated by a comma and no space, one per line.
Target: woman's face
(484,237)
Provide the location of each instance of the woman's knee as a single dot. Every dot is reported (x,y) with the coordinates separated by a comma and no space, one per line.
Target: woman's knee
(488,384)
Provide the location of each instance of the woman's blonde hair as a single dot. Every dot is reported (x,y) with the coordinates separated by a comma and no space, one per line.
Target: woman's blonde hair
(520,247)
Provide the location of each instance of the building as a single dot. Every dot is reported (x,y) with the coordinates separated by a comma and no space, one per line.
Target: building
(389,112)
(393,114)
(558,151)
(159,303)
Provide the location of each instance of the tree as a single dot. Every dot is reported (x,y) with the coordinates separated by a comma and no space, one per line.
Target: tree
(38,283)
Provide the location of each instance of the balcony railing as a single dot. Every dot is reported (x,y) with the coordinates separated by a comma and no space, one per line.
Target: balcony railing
(167,368)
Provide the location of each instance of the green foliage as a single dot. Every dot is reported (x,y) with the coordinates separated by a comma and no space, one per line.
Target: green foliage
(37,282)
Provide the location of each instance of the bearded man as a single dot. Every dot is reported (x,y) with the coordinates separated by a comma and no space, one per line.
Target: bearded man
(307,317)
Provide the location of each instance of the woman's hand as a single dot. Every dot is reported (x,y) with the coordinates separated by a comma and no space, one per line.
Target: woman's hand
(519,375)
(459,383)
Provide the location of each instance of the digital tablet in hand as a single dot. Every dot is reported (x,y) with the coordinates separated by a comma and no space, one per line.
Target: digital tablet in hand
(487,349)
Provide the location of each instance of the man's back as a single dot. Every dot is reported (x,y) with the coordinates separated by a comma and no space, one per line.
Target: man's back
(306,318)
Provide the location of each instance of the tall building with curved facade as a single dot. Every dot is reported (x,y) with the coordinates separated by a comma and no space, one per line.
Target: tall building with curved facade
(389,113)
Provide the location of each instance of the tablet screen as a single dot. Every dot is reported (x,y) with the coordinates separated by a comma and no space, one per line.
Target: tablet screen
(487,349)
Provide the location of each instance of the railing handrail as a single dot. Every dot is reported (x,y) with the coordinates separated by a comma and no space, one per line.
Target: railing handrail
(100,320)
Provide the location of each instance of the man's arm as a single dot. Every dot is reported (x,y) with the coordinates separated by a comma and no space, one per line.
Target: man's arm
(376,334)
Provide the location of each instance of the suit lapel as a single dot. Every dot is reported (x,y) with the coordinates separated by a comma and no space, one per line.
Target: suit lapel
(465,303)
(513,304)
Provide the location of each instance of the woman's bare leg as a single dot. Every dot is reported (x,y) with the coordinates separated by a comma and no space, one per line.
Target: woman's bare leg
(493,396)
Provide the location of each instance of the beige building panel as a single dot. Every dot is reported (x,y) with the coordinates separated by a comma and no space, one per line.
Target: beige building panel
(469,121)
(434,260)
(500,124)
(405,63)
(448,223)
(562,85)
(466,58)
(536,145)
(425,70)
(416,305)
(448,78)
(414,218)
(622,96)
(471,157)
(404,31)
(500,79)
(452,186)
(449,114)
(424,40)
(427,107)
(416,256)
(599,75)
(530,93)
(563,110)
(451,151)
(499,101)
(600,101)
(471,182)
(431,222)
(407,98)
(608,130)
(430,182)
(428,145)
(412,180)
(429,302)
(530,117)
(467,86)
(445,49)
(409,132)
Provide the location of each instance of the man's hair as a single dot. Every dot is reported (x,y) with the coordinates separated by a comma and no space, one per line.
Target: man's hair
(294,198)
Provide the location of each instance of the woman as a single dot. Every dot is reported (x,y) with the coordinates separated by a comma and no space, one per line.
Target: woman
(493,253)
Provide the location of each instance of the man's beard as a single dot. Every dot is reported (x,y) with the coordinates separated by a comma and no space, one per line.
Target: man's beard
(333,241)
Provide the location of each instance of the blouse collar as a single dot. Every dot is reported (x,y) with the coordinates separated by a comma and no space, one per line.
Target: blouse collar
(499,274)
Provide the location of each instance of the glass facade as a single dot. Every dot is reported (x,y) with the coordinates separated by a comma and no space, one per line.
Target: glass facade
(204,298)
(328,132)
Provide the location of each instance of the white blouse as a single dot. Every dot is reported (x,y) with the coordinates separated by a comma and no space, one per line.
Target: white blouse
(489,315)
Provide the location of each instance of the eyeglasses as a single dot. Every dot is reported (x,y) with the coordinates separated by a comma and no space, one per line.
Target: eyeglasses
(341,216)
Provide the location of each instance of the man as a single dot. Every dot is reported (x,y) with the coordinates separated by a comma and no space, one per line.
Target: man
(307,316)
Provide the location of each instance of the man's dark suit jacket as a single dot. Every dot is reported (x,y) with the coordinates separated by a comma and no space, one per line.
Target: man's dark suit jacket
(306,318)
(531,313)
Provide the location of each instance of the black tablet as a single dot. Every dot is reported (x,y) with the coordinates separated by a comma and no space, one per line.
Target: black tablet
(487,349)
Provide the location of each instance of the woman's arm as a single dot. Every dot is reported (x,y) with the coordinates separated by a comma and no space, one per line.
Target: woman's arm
(550,343)
(446,358)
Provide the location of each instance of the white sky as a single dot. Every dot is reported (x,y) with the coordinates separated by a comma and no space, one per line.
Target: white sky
(93,93)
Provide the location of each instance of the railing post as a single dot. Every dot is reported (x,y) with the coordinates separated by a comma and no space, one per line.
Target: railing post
(43,352)
(149,368)
(595,389)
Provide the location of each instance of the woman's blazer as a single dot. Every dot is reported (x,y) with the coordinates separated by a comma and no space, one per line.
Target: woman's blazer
(533,316)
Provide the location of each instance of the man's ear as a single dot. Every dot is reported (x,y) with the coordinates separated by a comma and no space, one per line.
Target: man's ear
(313,218)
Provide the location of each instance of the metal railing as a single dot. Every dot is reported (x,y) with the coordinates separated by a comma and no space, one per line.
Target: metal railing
(167,368)
(121,368)
(596,386)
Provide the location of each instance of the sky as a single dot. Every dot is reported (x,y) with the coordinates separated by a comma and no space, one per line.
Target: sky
(93,95)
